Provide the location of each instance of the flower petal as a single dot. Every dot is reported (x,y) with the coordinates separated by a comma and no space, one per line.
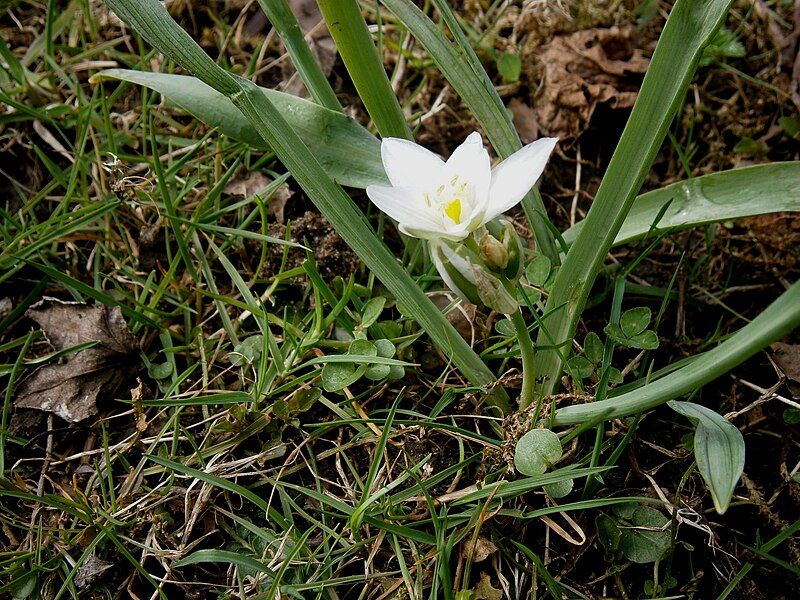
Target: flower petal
(404,205)
(437,261)
(516,175)
(470,161)
(410,165)
(452,234)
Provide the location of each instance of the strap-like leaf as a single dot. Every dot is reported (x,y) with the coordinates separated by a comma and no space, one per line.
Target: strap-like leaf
(718,450)
(691,25)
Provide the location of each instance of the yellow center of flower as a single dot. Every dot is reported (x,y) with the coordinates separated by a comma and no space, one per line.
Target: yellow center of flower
(453,210)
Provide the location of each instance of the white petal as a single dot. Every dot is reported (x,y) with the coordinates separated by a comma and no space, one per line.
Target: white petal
(404,205)
(470,161)
(437,261)
(516,175)
(440,232)
(410,165)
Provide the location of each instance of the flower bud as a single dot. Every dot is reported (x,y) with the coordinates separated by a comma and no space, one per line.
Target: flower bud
(469,277)
(493,252)
(504,233)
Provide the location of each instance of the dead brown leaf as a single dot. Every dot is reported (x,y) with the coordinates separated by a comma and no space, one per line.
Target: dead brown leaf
(255,183)
(91,571)
(70,388)
(584,69)
(787,357)
(484,548)
(485,590)
(524,120)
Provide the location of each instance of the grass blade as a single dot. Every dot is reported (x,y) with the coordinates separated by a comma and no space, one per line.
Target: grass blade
(150,18)
(285,23)
(349,31)
(691,25)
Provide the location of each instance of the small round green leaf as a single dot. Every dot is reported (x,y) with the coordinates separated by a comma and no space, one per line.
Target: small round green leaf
(593,348)
(538,270)
(247,351)
(536,451)
(644,535)
(160,370)
(559,489)
(510,67)
(635,321)
(580,367)
(647,340)
(372,310)
(337,376)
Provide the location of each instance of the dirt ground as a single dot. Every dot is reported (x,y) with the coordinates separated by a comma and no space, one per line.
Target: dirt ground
(582,63)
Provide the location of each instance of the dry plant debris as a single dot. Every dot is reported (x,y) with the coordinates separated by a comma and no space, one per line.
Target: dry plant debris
(70,389)
(582,70)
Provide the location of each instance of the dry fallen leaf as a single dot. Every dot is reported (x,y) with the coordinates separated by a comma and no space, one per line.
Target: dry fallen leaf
(582,70)
(91,571)
(255,183)
(484,548)
(524,120)
(70,388)
(787,357)
(485,590)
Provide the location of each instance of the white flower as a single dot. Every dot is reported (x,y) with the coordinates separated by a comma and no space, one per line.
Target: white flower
(433,199)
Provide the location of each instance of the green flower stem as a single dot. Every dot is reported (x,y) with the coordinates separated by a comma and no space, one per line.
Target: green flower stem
(354,42)
(526,396)
(781,317)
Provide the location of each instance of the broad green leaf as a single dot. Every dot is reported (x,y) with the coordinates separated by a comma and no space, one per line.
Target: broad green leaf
(690,27)
(724,196)
(326,131)
(537,451)
(718,450)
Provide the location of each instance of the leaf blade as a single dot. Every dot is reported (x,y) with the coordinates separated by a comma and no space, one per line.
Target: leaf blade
(718,449)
